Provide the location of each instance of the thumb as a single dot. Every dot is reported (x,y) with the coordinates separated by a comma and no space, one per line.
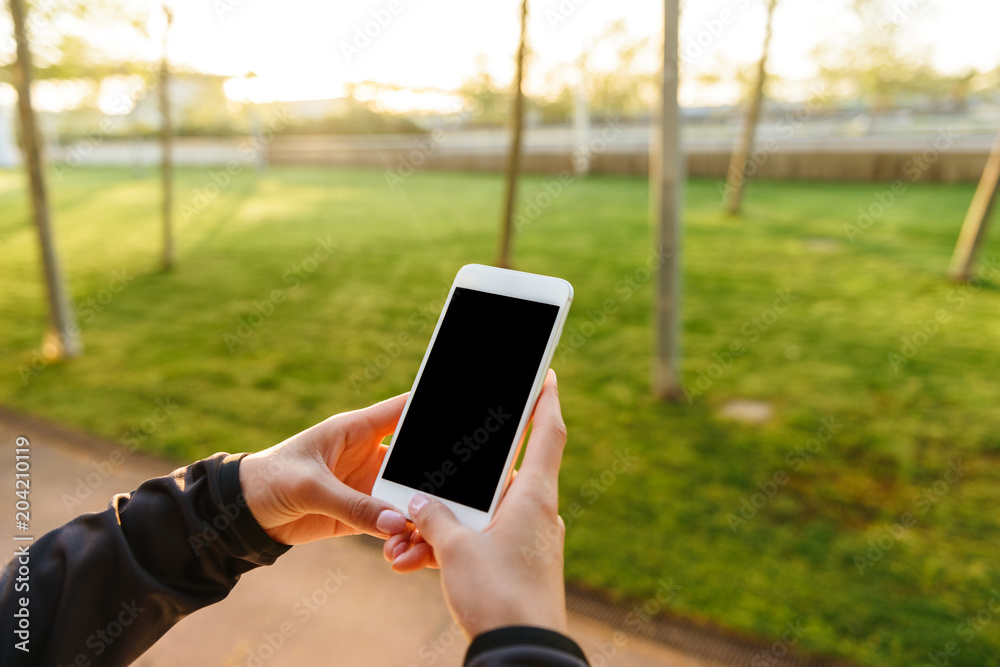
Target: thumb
(358,510)
(433,519)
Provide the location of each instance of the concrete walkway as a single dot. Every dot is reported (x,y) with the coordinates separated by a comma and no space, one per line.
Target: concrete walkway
(335,602)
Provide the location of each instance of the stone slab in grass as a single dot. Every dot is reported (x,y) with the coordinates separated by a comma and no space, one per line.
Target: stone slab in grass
(747,411)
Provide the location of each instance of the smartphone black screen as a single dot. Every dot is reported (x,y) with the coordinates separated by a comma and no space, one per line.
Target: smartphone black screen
(464,413)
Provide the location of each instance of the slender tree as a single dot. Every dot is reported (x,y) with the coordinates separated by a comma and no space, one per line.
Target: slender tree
(166,148)
(73,48)
(666,180)
(977,218)
(740,161)
(62,339)
(514,155)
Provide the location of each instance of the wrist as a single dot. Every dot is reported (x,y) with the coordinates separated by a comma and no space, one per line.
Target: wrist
(237,509)
(500,617)
(250,481)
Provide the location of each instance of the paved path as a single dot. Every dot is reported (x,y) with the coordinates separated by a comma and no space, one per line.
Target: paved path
(335,602)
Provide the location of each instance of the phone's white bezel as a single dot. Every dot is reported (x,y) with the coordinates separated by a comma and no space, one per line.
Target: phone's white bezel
(529,286)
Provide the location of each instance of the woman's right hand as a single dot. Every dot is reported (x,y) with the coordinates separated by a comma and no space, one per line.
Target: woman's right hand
(512,572)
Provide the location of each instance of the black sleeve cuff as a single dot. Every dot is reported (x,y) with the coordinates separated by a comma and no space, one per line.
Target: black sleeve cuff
(245,524)
(521,635)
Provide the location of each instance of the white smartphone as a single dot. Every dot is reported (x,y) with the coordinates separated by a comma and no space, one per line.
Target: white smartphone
(467,413)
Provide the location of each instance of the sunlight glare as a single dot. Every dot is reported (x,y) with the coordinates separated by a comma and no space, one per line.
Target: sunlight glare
(118,94)
(295,86)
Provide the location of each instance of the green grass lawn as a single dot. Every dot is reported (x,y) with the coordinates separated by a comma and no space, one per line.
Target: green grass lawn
(824,550)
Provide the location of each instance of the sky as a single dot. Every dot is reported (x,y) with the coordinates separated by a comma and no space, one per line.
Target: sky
(309,49)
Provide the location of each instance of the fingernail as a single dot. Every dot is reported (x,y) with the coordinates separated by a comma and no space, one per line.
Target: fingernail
(398,549)
(391,522)
(417,503)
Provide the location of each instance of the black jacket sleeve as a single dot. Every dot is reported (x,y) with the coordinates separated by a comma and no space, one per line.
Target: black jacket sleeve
(524,646)
(104,587)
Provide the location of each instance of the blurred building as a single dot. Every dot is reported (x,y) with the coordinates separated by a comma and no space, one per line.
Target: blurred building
(197,102)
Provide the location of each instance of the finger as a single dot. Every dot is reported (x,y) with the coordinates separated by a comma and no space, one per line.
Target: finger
(390,545)
(410,535)
(415,558)
(509,486)
(433,519)
(331,497)
(548,435)
(417,538)
(380,419)
(364,479)
(397,545)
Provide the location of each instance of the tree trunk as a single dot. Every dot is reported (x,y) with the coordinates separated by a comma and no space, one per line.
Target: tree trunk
(581,128)
(739,165)
(166,150)
(514,155)
(977,218)
(666,170)
(62,339)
